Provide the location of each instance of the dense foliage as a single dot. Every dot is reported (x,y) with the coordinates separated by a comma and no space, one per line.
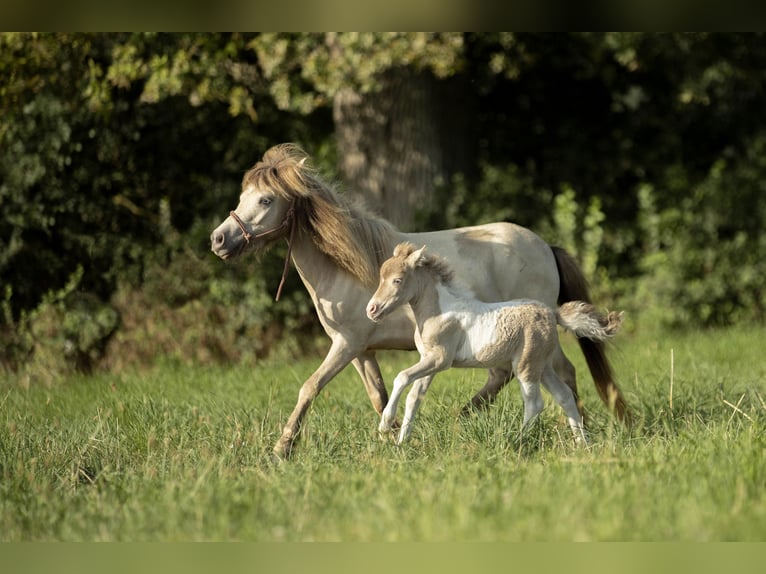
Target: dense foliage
(642,153)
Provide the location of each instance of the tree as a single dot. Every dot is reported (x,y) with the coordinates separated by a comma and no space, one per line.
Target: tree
(392,97)
(100,169)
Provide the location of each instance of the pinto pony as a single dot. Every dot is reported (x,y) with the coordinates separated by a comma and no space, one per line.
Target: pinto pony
(338,247)
(456,330)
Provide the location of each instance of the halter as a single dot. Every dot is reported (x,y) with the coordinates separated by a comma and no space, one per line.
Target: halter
(288,221)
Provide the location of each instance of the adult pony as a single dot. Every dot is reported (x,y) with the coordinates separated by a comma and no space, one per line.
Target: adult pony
(456,330)
(337,248)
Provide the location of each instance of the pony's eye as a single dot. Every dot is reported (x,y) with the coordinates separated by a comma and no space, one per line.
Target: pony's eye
(265,201)
(397,281)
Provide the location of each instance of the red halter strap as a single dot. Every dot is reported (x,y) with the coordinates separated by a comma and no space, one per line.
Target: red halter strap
(288,221)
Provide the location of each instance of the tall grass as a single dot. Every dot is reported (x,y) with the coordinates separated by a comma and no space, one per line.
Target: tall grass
(182,453)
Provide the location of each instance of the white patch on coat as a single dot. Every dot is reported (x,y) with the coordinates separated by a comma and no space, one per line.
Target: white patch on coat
(478,323)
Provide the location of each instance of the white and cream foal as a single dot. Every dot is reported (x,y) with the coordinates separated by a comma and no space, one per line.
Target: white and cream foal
(454,329)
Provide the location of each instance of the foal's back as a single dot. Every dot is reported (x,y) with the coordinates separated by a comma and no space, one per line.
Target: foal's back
(496,334)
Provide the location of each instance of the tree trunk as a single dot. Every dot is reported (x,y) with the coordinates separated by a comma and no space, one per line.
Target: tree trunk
(395,145)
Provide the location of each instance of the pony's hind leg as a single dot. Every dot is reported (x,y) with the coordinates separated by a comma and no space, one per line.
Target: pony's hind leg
(367,366)
(496,380)
(564,396)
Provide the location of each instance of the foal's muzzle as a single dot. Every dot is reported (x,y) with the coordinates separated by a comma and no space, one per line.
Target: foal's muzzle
(374,311)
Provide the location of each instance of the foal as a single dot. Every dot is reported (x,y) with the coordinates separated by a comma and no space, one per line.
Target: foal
(456,329)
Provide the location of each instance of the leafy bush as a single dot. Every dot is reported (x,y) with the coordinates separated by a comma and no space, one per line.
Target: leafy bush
(500,192)
(643,154)
(68,332)
(705,257)
(191,306)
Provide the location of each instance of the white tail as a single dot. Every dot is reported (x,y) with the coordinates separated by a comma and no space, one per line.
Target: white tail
(585,321)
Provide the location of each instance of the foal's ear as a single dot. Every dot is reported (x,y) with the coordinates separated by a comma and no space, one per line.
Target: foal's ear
(417,258)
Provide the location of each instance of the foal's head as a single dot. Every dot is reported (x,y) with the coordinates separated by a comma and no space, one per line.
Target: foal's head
(398,279)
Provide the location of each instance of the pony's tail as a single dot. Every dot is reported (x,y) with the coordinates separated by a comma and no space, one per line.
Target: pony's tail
(574,287)
(585,321)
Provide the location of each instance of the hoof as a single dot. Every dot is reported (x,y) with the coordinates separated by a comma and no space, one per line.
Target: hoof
(277,458)
(475,406)
(281,452)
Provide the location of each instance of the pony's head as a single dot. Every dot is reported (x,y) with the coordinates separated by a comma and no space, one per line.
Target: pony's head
(270,191)
(284,189)
(399,283)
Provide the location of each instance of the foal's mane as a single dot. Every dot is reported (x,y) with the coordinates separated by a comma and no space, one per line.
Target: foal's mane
(344,230)
(437,266)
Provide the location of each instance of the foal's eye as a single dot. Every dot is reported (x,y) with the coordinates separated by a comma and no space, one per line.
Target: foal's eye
(397,281)
(265,201)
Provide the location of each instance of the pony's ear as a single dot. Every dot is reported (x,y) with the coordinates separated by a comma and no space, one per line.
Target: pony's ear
(417,258)
(299,166)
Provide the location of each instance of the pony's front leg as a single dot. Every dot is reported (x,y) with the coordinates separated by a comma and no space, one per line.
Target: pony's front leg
(340,355)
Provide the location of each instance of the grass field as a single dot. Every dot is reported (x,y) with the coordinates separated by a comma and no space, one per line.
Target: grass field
(182,453)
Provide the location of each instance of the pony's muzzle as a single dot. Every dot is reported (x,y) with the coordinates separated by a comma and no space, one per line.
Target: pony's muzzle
(218,244)
(217,240)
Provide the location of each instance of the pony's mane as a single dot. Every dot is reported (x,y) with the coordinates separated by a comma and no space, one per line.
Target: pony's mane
(344,230)
(434,264)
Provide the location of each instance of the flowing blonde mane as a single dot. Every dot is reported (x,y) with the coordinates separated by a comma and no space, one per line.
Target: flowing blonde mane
(345,231)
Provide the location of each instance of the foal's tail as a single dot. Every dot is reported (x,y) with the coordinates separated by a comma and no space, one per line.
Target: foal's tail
(584,320)
(574,287)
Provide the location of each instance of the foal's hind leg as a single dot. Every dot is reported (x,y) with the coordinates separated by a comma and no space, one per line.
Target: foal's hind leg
(566,372)
(533,398)
(496,380)
(564,397)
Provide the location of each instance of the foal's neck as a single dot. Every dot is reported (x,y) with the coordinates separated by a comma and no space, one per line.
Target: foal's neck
(426,303)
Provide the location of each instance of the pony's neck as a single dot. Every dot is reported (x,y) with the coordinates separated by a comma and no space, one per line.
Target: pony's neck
(352,239)
(316,269)
(325,280)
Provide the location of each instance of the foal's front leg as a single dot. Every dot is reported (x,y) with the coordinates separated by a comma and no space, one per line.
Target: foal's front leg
(388,416)
(426,367)
(413,403)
